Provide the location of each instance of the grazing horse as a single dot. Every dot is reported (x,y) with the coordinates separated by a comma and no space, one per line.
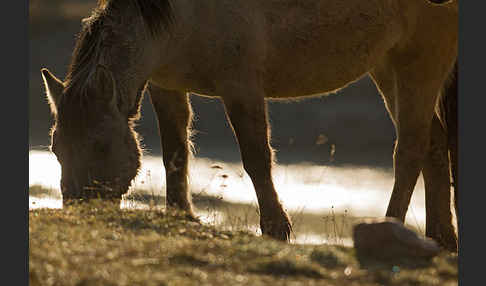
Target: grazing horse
(244,51)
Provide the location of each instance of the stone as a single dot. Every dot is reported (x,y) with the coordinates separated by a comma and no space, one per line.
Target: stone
(388,238)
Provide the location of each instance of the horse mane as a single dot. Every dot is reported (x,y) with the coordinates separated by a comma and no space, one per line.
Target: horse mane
(157,15)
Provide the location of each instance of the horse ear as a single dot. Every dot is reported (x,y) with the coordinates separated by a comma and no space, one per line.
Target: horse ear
(54,88)
(106,81)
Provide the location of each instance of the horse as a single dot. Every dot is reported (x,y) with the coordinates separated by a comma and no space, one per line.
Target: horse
(245,52)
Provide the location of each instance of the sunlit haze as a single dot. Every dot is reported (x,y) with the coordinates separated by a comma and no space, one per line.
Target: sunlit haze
(312,188)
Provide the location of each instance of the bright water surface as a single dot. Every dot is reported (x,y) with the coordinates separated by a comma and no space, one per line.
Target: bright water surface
(361,191)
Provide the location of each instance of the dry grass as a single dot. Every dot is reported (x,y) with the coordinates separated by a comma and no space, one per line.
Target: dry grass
(101,244)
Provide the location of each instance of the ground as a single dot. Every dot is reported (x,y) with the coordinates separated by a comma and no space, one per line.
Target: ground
(101,244)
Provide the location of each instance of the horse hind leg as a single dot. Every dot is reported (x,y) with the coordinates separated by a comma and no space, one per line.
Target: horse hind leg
(414,117)
(438,189)
(411,107)
(174,118)
(448,113)
(246,110)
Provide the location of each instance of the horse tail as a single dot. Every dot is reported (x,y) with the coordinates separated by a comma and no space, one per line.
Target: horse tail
(447,109)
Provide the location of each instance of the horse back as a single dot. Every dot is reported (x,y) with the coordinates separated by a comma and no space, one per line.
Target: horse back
(320,46)
(299,47)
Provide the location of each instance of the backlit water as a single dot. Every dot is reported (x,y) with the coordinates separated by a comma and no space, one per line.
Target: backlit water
(361,191)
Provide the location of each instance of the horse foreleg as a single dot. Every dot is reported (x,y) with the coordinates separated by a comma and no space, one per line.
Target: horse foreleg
(438,189)
(174,118)
(246,110)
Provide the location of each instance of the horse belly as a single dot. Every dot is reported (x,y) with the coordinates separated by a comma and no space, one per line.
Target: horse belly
(324,45)
(317,75)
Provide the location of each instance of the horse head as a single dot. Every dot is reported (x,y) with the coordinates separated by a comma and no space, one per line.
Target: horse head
(92,138)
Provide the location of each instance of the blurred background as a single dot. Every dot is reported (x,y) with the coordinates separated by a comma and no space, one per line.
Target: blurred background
(352,122)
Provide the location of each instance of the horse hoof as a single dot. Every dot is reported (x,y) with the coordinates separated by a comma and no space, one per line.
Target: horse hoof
(445,237)
(192,217)
(282,234)
(279,230)
(451,247)
(449,243)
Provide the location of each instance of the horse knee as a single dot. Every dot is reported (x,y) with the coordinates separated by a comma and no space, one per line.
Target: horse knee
(411,156)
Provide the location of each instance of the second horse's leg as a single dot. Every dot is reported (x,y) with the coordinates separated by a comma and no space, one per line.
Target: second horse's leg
(438,189)
(174,118)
